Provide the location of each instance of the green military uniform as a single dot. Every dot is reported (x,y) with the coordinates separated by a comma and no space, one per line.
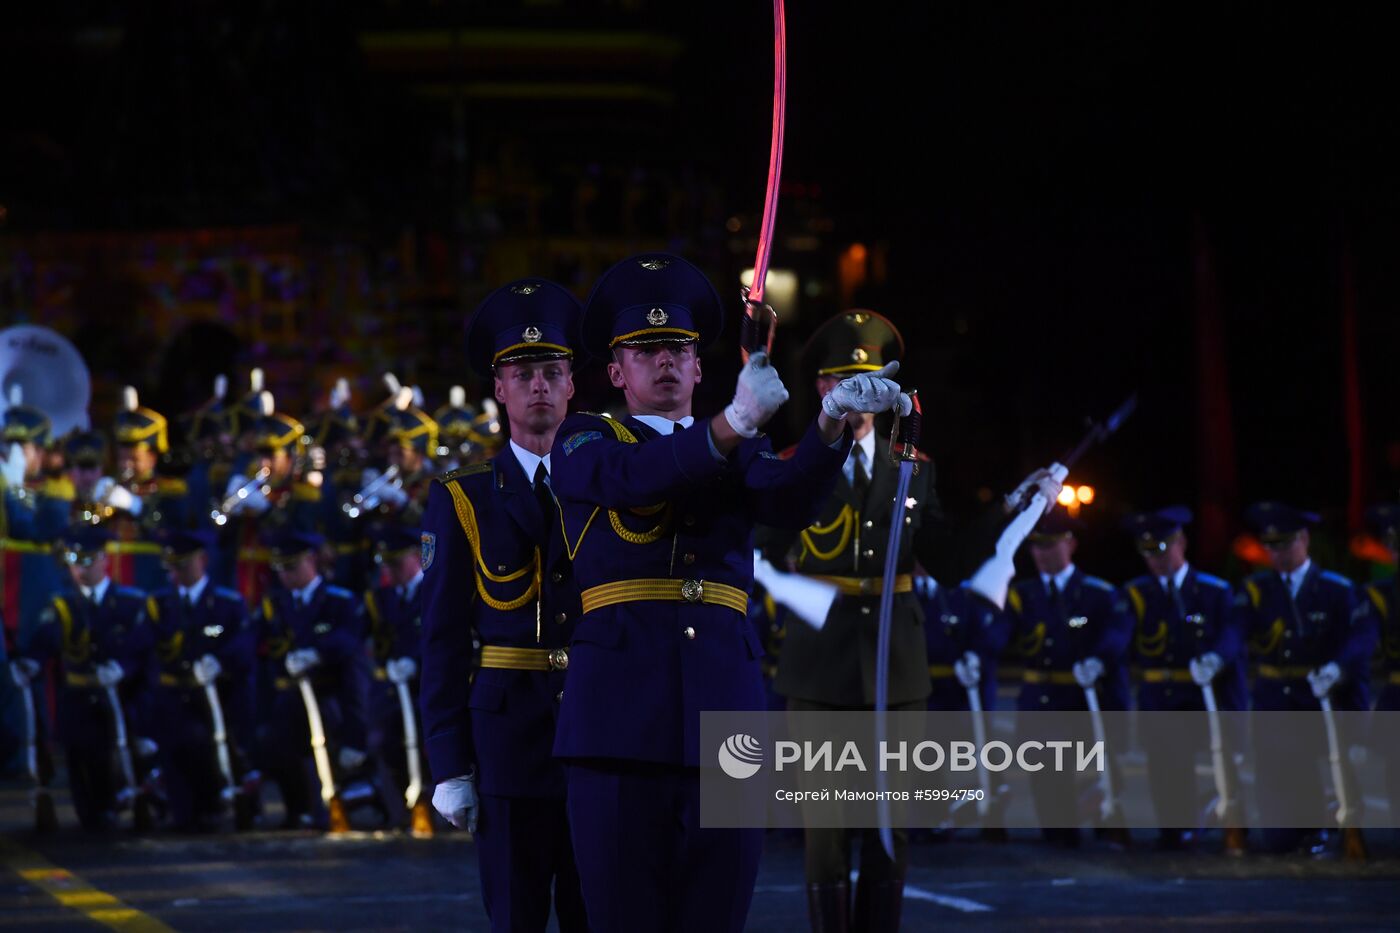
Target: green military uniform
(834,667)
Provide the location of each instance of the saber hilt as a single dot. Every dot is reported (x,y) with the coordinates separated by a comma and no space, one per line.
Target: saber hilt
(904,439)
(759,326)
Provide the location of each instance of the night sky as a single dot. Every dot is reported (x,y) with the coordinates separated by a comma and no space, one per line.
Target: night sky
(1046,181)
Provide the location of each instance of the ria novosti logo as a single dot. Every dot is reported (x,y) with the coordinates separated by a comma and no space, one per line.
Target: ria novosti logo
(741,756)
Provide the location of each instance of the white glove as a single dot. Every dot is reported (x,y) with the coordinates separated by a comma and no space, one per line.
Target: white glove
(1204,668)
(456,800)
(206,670)
(1087,671)
(867,392)
(144,747)
(968,669)
(993,578)
(22,671)
(758,395)
(1324,679)
(393,496)
(110,673)
(401,670)
(810,600)
(13,467)
(119,497)
(302,660)
(351,759)
(1047,480)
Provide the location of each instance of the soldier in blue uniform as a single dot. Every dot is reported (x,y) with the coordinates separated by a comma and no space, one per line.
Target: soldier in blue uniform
(307,627)
(202,637)
(395,612)
(98,633)
(1072,636)
(494,561)
(1185,639)
(1382,598)
(659,511)
(31,517)
(1311,637)
(139,501)
(964,635)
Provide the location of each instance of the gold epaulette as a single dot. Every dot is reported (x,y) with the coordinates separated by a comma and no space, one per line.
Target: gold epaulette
(469,470)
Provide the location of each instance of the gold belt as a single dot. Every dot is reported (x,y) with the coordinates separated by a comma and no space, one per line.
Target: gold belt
(174,680)
(681,591)
(940,670)
(1394,678)
(524,659)
(1167,675)
(1270,672)
(80,680)
(868,586)
(1049,677)
(24,547)
(133,547)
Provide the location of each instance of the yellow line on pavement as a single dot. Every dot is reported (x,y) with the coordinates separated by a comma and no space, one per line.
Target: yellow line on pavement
(73,892)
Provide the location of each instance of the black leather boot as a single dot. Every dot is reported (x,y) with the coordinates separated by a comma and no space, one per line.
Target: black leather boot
(829,907)
(878,906)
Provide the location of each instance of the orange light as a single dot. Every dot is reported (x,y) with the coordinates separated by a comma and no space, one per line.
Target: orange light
(857,252)
(1067,496)
(1085,494)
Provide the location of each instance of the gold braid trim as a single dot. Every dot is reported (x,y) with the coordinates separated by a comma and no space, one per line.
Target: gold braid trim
(1152,645)
(466,515)
(1266,643)
(845,521)
(1031,643)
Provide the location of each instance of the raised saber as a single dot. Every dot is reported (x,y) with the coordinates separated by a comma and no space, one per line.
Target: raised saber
(760,320)
(904,448)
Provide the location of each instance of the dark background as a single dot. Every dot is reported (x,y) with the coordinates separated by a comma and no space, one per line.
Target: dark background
(1059,204)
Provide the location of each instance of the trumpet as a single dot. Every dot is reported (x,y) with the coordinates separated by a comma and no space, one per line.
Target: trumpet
(368,498)
(221,514)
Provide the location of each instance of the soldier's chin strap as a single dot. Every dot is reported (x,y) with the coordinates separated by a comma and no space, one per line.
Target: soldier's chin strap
(760,320)
(904,449)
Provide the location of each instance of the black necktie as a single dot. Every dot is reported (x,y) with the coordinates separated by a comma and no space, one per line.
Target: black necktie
(860,479)
(1056,604)
(542,492)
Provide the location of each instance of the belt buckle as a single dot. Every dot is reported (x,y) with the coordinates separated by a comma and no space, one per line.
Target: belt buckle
(867,585)
(693,591)
(559,659)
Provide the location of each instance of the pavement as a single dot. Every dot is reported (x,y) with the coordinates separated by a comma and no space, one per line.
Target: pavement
(371,879)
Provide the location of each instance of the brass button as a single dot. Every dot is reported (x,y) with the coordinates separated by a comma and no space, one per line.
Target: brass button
(689,632)
(869,523)
(688,558)
(500,568)
(868,552)
(557,577)
(1287,634)
(559,659)
(1287,653)
(693,591)
(1049,642)
(865,610)
(1044,699)
(1287,689)
(561,617)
